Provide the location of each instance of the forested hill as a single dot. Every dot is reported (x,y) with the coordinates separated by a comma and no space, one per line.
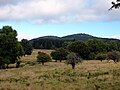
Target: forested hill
(48,42)
(82,37)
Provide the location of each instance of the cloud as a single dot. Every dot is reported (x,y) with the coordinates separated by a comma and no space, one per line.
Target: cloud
(56,11)
(114,37)
(117,37)
(26,36)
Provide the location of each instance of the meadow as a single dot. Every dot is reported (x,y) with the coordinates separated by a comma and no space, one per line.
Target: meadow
(88,75)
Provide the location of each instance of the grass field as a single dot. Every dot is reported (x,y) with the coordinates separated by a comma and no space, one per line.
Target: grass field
(88,75)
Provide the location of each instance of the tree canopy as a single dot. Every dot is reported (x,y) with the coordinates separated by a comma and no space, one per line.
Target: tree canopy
(59,54)
(73,59)
(43,57)
(79,47)
(10,49)
(27,47)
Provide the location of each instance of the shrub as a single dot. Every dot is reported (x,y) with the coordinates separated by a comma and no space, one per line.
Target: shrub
(100,56)
(114,55)
(43,57)
(91,56)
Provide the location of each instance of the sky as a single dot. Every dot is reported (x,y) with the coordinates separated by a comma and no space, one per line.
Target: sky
(35,18)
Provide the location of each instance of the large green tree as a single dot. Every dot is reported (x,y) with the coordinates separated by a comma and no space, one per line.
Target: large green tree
(79,47)
(59,54)
(10,49)
(112,46)
(27,47)
(96,46)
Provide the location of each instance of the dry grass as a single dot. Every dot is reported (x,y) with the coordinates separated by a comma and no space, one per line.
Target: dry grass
(88,75)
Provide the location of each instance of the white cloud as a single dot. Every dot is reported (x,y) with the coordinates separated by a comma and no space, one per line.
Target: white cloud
(55,11)
(117,37)
(114,37)
(26,36)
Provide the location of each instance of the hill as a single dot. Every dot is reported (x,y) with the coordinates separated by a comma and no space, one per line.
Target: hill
(81,36)
(50,42)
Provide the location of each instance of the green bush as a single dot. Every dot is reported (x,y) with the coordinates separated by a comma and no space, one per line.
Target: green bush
(114,55)
(100,56)
(43,57)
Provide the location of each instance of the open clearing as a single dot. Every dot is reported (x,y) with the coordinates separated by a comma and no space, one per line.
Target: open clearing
(89,75)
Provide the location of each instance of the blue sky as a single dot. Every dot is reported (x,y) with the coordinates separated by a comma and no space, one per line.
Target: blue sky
(35,18)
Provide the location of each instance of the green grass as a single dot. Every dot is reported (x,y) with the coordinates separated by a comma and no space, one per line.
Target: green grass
(58,76)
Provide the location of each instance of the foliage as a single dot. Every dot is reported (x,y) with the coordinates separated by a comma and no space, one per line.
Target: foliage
(112,46)
(91,56)
(46,43)
(115,5)
(79,47)
(96,46)
(59,54)
(114,55)
(10,49)
(66,44)
(43,57)
(27,47)
(100,56)
(73,59)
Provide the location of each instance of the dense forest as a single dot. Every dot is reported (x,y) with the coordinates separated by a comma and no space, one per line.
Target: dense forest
(52,42)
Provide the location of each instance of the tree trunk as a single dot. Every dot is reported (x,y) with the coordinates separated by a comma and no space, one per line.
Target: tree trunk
(60,60)
(55,60)
(7,65)
(18,64)
(42,63)
(73,65)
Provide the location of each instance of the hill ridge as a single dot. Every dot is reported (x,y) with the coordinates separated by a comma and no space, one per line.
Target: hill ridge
(78,36)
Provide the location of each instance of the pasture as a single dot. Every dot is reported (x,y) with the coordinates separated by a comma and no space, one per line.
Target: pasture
(88,75)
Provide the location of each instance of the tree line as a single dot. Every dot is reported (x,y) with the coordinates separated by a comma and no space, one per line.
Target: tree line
(47,43)
(77,51)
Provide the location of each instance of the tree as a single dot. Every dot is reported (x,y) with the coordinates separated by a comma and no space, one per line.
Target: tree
(79,47)
(114,55)
(10,49)
(73,59)
(112,46)
(27,47)
(115,5)
(100,56)
(96,46)
(43,57)
(59,54)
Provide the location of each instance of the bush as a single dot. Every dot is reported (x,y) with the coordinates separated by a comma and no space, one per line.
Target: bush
(43,57)
(91,56)
(114,55)
(100,56)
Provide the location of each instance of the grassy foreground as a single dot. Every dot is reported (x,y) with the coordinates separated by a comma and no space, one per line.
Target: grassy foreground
(89,75)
